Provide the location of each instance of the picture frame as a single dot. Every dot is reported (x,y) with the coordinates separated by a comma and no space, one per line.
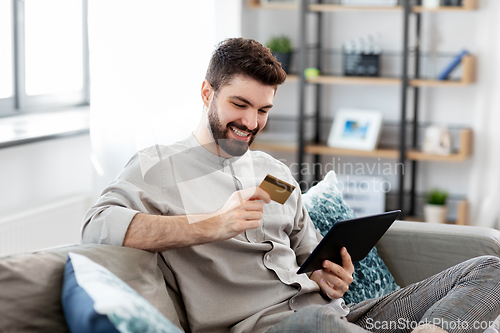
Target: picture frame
(355,129)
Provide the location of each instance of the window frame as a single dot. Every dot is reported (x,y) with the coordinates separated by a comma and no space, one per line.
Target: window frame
(20,103)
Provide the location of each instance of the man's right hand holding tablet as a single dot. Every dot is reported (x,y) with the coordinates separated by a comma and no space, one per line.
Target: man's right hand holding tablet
(333,279)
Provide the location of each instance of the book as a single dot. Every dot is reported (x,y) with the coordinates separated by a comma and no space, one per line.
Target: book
(452,65)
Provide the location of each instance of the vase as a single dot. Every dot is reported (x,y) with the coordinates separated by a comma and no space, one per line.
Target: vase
(435,213)
(284,59)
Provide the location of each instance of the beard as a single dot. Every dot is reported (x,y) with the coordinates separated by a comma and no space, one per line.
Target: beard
(231,146)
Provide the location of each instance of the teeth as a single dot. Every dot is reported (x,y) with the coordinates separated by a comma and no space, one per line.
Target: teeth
(240,133)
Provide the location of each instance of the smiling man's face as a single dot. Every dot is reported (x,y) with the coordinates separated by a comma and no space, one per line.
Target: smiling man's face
(238,112)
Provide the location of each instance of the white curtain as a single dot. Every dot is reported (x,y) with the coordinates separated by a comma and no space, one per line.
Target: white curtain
(485,180)
(148,59)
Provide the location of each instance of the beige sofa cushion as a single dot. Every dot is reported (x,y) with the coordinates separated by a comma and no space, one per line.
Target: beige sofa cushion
(30,284)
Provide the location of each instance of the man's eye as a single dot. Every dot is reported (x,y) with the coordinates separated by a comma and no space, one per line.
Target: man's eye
(239,105)
(263,111)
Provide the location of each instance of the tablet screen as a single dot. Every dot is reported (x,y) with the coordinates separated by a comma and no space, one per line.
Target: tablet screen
(358,235)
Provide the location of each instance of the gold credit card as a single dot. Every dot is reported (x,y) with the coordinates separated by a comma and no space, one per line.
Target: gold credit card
(278,190)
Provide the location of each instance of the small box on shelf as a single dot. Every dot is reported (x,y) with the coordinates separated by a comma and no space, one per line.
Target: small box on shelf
(361,57)
(356,64)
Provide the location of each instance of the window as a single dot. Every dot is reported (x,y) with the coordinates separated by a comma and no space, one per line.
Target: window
(44,55)
(6,47)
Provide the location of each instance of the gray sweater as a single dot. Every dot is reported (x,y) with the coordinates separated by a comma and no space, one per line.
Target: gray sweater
(244,284)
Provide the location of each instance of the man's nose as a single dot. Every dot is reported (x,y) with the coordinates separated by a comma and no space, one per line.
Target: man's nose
(250,119)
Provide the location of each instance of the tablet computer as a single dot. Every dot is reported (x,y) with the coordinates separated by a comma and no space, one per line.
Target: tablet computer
(358,235)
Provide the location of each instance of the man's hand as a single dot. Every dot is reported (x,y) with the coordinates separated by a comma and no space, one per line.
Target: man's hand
(241,212)
(334,280)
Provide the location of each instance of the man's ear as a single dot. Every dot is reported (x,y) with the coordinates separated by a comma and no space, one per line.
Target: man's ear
(206,93)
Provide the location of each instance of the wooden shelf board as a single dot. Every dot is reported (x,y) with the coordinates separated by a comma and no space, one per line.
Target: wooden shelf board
(278,6)
(465,150)
(467,6)
(415,155)
(344,8)
(412,155)
(468,77)
(377,153)
(282,147)
(292,78)
(354,80)
(436,83)
(420,9)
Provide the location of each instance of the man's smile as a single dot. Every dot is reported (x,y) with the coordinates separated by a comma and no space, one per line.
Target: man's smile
(239,134)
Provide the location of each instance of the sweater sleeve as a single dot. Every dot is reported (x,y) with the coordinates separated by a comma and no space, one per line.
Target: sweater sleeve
(108,220)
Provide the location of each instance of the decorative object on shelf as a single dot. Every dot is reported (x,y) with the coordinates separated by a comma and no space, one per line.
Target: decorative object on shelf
(355,129)
(437,140)
(364,194)
(452,65)
(374,3)
(435,209)
(361,57)
(311,72)
(281,47)
(431,3)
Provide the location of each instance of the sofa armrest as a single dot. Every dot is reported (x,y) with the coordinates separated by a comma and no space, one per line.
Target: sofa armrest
(414,251)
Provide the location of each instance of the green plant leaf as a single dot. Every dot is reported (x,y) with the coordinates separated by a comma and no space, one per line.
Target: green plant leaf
(436,197)
(281,44)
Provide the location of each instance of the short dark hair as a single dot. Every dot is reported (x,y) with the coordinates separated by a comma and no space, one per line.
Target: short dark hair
(246,56)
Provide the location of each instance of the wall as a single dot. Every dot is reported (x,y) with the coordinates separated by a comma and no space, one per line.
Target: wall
(146,78)
(40,179)
(441,32)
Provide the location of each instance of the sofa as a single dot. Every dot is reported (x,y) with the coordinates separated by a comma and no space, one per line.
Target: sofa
(30,283)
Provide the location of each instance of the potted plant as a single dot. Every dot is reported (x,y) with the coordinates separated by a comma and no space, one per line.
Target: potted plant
(281,47)
(435,209)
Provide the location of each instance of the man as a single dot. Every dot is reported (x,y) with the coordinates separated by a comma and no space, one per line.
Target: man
(233,252)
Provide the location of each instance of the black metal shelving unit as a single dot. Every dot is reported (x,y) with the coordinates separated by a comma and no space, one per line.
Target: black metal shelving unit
(409,124)
(304,13)
(406,180)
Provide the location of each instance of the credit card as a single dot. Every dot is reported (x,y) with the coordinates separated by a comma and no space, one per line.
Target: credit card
(278,189)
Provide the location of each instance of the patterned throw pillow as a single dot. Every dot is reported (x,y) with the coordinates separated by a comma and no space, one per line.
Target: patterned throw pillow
(96,300)
(326,206)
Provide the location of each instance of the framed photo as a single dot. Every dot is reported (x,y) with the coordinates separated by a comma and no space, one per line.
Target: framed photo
(355,129)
